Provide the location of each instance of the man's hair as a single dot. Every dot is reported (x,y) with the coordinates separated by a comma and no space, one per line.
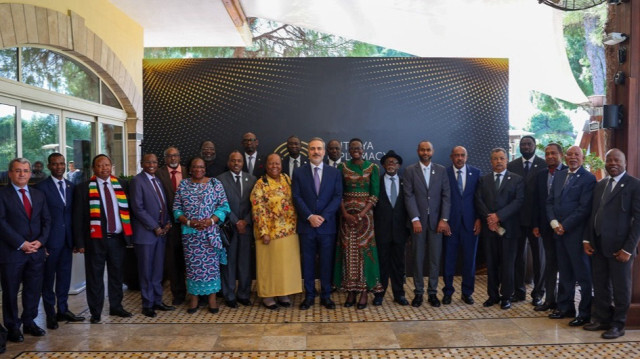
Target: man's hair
(318,139)
(528,136)
(93,162)
(55,154)
(20,160)
(557,146)
(175,148)
(498,149)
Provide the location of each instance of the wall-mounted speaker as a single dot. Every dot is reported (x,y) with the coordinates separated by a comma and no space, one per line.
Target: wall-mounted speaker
(612,116)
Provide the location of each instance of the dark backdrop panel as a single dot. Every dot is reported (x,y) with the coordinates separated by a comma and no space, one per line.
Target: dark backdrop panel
(390,103)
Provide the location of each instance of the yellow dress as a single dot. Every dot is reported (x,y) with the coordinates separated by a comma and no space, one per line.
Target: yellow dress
(277,263)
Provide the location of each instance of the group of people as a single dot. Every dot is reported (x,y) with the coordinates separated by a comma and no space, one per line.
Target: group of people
(343,222)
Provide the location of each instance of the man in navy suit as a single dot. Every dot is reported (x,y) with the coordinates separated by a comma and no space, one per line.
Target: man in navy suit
(151,223)
(498,199)
(568,208)
(541,228)
(611,240)
(24,223)
(317,193)
(427,196)
(59,194)
(294,159)
(465,226)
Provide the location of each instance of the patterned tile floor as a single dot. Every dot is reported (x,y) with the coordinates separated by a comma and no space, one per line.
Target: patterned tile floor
(390,331)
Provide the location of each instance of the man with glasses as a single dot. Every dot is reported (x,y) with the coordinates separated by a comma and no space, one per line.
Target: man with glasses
(253,163)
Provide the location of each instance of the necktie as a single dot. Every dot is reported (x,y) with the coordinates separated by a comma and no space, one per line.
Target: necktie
(250,164)
(174,179)
(607,190)
(335,164)
(27,203)
(498,181)
(162,203)
(527,167)
(295,165)
(603,200)
(239,185)
(316,179)
(394,192)
(61,188)
(111,218)
(460,181)
(568,180)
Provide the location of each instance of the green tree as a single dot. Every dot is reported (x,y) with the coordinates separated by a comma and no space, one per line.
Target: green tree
(552,127)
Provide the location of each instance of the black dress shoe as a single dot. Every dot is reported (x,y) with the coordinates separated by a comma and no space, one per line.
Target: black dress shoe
(417,301)
(490,302)
(34,330)
(328,303)
(163,307)
(15,335)
(95,319)
(273,306)
(505,304)
(561,315)
(377,300)
(245,302)
(213,310)
(192,310)
(401,300)
(52,322)
(468,299)
(446,299)
(231,303)
(544,307)
(283,304)
(306,304)
(594,327)
(536,301)
(361,305)
(518,298)
(579,321)
(149,312)
(120,312)
(69,317)
(613,333)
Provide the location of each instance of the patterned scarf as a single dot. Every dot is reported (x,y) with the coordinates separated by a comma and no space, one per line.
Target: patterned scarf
(94,208)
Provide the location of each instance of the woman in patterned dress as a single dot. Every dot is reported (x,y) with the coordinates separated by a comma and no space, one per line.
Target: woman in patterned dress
(200,204)
(357,268)
(278,271)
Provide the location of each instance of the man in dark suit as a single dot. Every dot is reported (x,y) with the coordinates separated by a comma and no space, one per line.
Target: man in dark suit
(151,222)
(334,153)
(541,228)
(465,226)
(208,153)
(528,166)
(238,185)
(170,176)
(294,159)
(392,230)
(427,196)
(498,199)
(24,223)
(568,209)
(102,230)
(253,163)
(57,270)
(317,194)
(611,240)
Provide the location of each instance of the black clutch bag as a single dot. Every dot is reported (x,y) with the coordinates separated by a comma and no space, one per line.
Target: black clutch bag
(226,232)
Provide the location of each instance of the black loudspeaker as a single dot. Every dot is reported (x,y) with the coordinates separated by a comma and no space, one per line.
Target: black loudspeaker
(612,116)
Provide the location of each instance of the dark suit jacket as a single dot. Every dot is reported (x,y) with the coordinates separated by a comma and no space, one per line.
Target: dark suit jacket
(326,161)
(463,210)
(620,217)
(540,194)
(16,227)
(516,166)
(302,160)
(390,222)
(419,201)
(259,165)
(571,204)
(61,233)
(81,218)
(325,204)
(214,168)
(146,209)
(506,202)
(240,205)
(165,177)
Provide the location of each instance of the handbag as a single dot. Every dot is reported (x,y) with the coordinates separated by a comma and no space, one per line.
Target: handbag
(226,232)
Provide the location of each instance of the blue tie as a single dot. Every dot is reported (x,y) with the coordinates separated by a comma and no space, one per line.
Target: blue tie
(61,188)
(460,181)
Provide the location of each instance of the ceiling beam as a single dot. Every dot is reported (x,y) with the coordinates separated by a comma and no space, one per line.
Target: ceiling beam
(239,20)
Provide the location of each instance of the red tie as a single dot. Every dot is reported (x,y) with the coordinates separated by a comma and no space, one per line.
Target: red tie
(25,200)
(111,219)
(174,180)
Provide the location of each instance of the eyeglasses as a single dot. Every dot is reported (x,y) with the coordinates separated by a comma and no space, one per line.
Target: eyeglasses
(249,139)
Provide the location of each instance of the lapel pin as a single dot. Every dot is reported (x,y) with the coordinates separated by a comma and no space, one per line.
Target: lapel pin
(621,185)
(433,172)
(509,177)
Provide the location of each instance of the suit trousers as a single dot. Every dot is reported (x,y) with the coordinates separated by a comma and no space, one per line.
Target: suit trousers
(421,241)
(111,254)
(324,246)
(27,272)
(150,268)
(57,274)
(238,267)
(174,267)
(550,269)
(537,253)
(391,257)
(611,284)
(465,242)
(501,255)
(573,265)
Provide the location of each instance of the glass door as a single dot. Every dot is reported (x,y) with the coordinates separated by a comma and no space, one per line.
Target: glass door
(40,137)
(80,134)
(8,144)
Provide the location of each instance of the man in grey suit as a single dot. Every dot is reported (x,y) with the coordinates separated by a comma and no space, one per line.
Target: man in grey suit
(427,197)
(238,185)
(611,240)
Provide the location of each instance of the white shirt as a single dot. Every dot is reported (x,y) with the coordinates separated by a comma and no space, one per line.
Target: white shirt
(114,200)
(427,173)
(502,174)
(333,163)
(616,180)
(292,166)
